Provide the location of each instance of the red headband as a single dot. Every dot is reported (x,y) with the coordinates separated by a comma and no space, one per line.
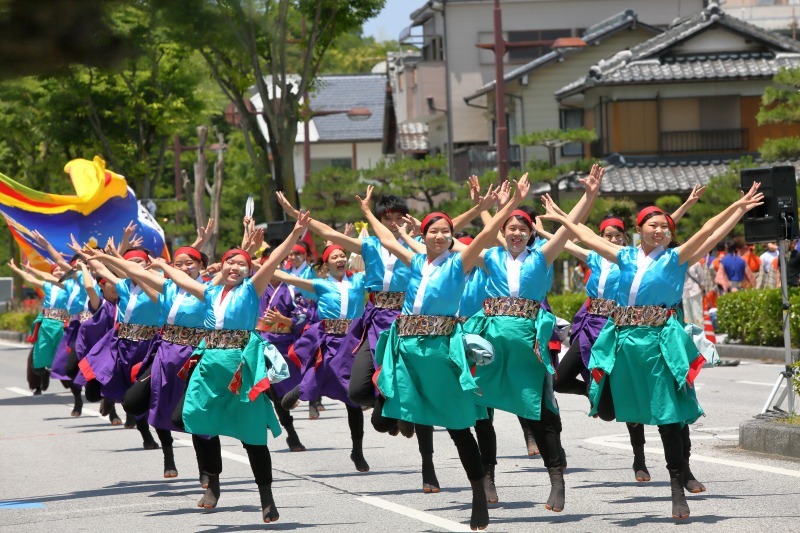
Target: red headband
(135,253)
(466,241)
(53,267)
(520,213)
(238,251)
(429,218)
(190,251)
(300,249)
(329,250)
(614,221)
(653,209)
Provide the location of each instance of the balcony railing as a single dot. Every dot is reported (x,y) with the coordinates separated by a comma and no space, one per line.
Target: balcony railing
(480,159)
(704,141)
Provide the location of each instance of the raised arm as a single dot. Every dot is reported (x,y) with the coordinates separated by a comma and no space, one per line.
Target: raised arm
(134,271)
(553,247)
(301,283)
(479,204)
(721,228)
(28,278)
(181,278)
(41,274)
(694,196)
(204,234)
(88,285)
(413,243)
(471,255)
(262,276)
(382,232)
(698,239)
(585,235)
(569,246)
(51,251)
(350,244)
(103,271)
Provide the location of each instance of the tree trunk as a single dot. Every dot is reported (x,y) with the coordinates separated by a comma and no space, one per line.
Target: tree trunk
(200,217)
(216,196)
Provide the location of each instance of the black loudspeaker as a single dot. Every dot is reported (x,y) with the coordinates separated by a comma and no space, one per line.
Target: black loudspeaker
(777,218)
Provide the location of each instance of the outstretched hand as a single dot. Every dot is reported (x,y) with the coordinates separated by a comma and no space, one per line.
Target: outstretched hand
(303,221)
(592,182)
(523,187)
(551,210)
(697,193)
(503,194)
(364,203)
(287,207)
(414,225)
(752,198)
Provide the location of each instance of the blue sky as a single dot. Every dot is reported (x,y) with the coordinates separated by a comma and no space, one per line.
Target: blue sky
(391,21)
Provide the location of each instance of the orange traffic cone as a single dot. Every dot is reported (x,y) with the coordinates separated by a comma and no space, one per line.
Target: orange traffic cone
(708,327)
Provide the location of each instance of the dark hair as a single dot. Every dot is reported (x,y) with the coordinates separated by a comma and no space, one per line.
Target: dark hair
(461,234)
(390,202)
(531,213)
(673,241)
(721,246)
(733,247)
(305,245)
(624,233)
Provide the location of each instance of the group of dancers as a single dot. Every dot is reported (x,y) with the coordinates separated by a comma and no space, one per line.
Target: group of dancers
(440,329)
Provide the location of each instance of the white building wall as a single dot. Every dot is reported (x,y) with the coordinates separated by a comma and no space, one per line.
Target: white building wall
(367,156)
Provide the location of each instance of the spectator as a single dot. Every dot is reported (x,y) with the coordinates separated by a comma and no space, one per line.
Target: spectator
(767,275)
(734,267)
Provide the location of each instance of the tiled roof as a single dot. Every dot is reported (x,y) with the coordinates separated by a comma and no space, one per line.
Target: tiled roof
(599,31)
(636,175)
(648,62)
(346,92)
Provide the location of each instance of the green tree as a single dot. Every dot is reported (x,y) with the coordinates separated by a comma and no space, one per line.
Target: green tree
(276,45)
(352,53)
(330,196)
(555,139)
(781,105)
(421,180)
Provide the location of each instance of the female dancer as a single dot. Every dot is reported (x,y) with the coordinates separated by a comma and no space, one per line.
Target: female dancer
(108,365)
(422,356)
(48,328)
(519,380)
(326,370)
(224,393)
(283,315)
(643,354)
(182,321)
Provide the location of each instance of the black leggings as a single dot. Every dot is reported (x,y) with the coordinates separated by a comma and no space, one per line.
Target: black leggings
(209,455)
(285,418)
(165,437)
(567,379)
(547,433)
(355,419)
(672,437)
(487,441)
(361,390)
(260,463)
(468,452)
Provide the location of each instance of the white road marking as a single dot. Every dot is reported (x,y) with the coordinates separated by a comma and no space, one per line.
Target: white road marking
(756,383)
(447,525)
(428,518)
(17,390)
(607,442)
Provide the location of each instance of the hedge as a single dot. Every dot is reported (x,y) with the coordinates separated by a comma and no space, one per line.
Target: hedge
(755,317)
(566,305)
(17,321)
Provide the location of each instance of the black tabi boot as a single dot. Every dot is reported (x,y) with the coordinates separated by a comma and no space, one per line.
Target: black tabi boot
(555,502)
(170,470)
(211,496)
(406,428)
(690,483)
(639,466)
(269,511)
(530,442)
(680,509)
(488,484)
(292,440)
(77,409)
(479,519)
(357,456)
(429,482)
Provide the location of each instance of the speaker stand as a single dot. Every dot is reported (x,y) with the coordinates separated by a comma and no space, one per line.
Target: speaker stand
(786,377)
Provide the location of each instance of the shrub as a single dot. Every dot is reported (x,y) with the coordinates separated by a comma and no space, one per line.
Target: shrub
(755,316)
(566,305)
(17,321)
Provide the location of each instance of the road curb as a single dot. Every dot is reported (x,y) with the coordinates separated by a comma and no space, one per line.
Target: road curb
(763,353)
(770,436)
(12,336)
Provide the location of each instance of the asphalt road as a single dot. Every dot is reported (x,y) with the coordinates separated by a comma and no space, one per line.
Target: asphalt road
(81,474)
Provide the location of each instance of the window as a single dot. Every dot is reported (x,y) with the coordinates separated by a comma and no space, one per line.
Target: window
(571,119)
(540,43)
(433,50)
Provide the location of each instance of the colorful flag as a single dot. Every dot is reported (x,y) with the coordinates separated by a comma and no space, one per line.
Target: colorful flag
(101,207)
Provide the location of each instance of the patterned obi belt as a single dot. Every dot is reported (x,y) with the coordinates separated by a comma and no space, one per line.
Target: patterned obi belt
(600,306)
(136,332)
(408,325)
(641,315)
(508,306)
(227,338)
(83,316)
(277,327)
(387,300)
(183,336)
(337,326)
(57,314)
